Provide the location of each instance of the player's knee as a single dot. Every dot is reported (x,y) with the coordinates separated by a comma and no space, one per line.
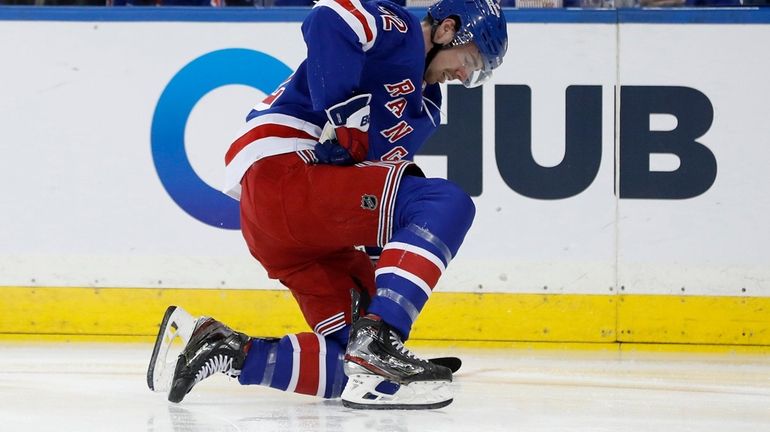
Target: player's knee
(437,204)
(458,203)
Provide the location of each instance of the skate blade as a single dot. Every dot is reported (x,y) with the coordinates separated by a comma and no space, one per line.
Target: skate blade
(371,392)
(177,326)
(453,363)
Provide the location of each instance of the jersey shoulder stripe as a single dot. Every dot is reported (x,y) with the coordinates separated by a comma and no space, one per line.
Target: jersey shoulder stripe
(356,17)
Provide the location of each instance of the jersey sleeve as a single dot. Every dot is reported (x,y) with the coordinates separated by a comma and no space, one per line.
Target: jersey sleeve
(337,34)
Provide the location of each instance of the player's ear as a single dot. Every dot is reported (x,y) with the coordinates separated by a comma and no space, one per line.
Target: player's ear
(445,32)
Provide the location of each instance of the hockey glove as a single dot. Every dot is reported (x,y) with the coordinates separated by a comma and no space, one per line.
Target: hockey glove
(350,120)
(331,152)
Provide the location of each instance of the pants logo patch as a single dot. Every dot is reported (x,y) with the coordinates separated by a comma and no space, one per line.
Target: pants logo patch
(368,202)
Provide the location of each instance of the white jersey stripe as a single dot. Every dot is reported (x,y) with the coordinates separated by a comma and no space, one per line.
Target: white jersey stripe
(279,119)
(304,156)
(324,325)
(392,183)
(417,250)
(411,277)
(294,364)
(326,329)
(354,22)
(331,318)
(386,217)
(333,329)
(321,366)
(268,146)
(255,151)
(308,156)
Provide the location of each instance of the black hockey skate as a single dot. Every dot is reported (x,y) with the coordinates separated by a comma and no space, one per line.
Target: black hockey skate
(383,374)
(213,348)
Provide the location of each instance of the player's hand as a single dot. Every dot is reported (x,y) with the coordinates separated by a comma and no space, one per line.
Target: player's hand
(351,125)
(331,152)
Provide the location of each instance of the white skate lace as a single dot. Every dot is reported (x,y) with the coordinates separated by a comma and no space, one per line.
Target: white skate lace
(399,346)
(219,363)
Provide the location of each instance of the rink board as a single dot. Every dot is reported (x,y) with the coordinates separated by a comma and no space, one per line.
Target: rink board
(453,319)
(113,124)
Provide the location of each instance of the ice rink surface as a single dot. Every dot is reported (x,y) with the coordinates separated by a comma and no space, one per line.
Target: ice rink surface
(101,387)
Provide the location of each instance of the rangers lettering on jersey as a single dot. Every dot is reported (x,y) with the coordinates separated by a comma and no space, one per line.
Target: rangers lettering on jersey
(397,132)
(396,154)
(400,88)
(397,107)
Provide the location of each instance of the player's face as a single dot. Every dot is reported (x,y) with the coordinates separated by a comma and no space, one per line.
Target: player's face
(455,63)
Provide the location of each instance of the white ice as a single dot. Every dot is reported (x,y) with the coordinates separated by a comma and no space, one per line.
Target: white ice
(101,387)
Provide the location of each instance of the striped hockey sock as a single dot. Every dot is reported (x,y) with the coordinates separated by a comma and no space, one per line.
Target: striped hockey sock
(305,363)
(409,268)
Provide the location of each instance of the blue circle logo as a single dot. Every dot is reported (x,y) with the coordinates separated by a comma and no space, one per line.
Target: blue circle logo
(186,88)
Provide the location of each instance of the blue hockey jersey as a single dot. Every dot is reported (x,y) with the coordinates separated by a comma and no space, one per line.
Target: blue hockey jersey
(371,47)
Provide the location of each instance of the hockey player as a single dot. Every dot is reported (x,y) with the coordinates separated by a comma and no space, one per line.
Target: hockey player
(324,164)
